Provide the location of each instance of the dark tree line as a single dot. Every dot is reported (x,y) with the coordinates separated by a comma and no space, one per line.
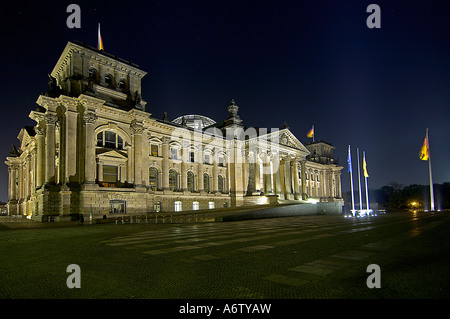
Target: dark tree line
(398,196)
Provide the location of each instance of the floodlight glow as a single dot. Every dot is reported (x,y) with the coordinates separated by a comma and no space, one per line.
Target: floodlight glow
(313,201)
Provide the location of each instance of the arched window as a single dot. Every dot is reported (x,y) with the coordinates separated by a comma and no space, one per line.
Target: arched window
(122,84)
(220,183)
(190,181)
(153,178)
(108,79)
(173,179)
(109,139)
(92,73)
(206,182)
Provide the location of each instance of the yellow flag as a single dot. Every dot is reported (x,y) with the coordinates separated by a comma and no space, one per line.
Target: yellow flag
(424,151)
(365,166)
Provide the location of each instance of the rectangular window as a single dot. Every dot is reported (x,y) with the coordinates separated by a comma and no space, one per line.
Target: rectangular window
(119,142)
(173,153)
(110,174)
(195,206)
(110,139)
(178,206)
(100,139)
(154,150)
(211,205)
(207,159)
(117,206)
(220,160)
(191,157)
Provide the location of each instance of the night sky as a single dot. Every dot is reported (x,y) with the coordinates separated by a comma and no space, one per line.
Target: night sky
(303,62)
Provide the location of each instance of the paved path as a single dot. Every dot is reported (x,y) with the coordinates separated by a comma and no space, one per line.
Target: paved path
(280,258)
(209,244)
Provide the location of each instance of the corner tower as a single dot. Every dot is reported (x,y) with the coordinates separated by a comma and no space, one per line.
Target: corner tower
(82,69)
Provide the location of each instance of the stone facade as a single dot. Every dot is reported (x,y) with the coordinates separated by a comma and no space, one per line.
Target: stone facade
(96,149)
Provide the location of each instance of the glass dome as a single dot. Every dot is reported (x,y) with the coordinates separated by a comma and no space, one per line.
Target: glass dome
(194,121)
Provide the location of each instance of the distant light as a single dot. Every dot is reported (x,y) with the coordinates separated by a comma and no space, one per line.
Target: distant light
(312,201)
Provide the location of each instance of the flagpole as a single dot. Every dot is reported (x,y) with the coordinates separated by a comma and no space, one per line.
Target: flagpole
(359,182)
(431,177)
(365,178)
(351,179)
(313,133)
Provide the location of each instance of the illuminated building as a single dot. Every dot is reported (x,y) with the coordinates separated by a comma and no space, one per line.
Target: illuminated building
(95,148)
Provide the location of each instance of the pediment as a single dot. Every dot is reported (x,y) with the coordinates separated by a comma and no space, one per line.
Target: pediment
(286,138)
(113,154)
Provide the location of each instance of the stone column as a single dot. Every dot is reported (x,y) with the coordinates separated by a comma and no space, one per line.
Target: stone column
(100,172)
(165,163)
(236,174)
(258,181)
(130,175)
(50,148)
(26,176)
(137,129)
(267,176)
(287,177)
(89,160)
(40,160)
(303,179)
(277,176)
(251,174)
(70,146)
(295,178)
(215,172)
(200,176)
(122,173)
(13,174)
(185,158)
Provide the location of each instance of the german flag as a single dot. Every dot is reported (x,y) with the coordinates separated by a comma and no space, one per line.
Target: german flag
(425,150)
(100,42)
(311,133)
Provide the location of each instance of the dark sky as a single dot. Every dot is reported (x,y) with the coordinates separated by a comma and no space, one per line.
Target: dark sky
(304,62)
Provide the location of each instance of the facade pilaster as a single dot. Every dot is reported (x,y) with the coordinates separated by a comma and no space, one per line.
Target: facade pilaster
(51,120)
(165,163)
(137,129)
(89,162)
(40,157)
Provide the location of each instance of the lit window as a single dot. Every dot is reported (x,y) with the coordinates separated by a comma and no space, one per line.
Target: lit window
(220,183)
(190,181)
(206,182)
(109,173)
(211,205)
(173,179)
(178,206)
(195,206)
(117,206)
(109,139)
(154,150)
(153,178)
